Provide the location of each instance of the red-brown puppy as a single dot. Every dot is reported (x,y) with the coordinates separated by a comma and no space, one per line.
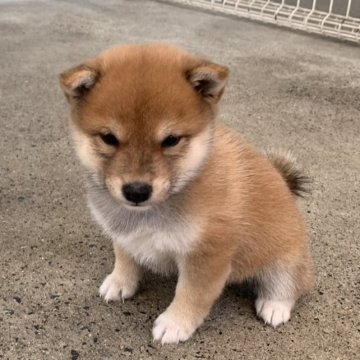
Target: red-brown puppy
(177,192)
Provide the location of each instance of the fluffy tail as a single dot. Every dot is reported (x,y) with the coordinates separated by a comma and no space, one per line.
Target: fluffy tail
(285,164)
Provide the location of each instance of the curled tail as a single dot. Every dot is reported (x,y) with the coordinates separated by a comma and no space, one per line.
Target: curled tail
(285,164)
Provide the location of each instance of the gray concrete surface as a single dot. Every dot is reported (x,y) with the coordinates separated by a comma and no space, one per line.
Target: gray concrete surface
(287,90)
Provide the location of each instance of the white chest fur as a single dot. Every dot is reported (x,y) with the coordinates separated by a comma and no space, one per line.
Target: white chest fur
(154,238)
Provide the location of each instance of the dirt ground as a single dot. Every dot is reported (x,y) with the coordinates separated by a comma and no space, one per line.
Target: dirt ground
(287,89)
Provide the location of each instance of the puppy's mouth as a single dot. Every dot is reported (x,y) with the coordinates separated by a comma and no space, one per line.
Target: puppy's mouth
(137,206)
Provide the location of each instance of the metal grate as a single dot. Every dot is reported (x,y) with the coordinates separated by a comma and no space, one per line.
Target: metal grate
(336,18)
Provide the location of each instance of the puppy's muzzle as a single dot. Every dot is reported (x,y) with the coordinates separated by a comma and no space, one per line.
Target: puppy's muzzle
(137,192)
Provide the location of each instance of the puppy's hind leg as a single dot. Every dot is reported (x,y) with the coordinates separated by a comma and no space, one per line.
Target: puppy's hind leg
(278,287)
(122,283)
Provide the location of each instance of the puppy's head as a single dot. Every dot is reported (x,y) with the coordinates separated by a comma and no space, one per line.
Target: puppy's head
(142,118)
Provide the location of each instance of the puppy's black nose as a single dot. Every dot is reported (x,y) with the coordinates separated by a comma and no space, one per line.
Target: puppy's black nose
(137,192)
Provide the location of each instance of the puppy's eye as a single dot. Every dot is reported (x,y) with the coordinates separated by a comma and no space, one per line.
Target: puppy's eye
(109,139)
(170,141)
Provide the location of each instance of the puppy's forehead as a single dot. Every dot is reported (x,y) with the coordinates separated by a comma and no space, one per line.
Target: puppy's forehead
(145,90)
(144,79)
(145,59)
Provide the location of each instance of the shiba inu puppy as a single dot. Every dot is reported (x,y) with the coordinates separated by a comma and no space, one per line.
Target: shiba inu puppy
(179,193)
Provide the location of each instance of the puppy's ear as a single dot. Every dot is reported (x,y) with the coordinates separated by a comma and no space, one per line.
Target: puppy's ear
(78,81)
(208,80)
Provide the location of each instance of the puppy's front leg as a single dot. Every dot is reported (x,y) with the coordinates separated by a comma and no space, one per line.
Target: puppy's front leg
(201,281)
(122,283)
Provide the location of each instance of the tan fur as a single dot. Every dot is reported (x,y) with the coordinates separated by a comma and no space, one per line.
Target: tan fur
(246,220)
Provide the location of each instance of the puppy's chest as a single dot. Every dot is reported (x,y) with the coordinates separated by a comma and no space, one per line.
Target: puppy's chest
(153,239)
(157,249)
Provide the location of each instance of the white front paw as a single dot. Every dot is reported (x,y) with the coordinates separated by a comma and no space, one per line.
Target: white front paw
(171,329)
(116,287)
(274,312)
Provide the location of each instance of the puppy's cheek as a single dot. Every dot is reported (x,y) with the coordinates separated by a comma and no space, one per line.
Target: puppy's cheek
(197,152)
(85,152)
(160,190)
(114,185)
(190,164)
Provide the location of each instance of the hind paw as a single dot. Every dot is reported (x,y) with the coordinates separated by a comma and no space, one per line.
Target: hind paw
(274,312)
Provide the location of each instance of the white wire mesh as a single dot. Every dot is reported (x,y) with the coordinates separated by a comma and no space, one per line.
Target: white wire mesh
(329,17)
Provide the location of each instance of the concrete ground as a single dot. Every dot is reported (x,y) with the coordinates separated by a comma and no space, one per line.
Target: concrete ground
(288,90)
